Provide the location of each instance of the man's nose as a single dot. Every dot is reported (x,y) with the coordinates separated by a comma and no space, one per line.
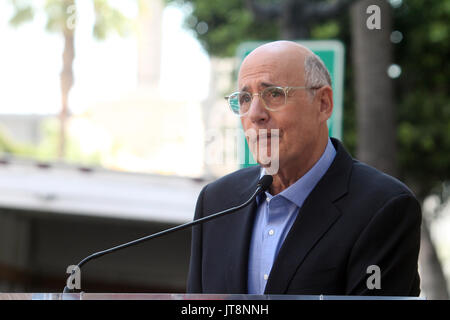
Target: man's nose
(257,112)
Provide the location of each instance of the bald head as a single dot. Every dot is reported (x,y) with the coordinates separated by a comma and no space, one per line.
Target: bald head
(295,63)
(282,47)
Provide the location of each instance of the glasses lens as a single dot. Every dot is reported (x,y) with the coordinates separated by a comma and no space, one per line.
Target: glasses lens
(240,102)
(274,97)
(233,101)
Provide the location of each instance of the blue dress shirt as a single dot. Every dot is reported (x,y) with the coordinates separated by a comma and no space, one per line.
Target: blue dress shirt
(275,216)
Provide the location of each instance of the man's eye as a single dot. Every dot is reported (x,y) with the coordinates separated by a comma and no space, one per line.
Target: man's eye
(276,93)
(245,98)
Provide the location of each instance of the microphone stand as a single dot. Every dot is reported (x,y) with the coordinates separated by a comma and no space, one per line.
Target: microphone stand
(262,186)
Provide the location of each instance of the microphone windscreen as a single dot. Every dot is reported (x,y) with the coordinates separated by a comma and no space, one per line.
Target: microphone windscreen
(265,182)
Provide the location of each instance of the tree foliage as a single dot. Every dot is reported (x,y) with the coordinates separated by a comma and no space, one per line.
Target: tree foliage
(423,100)
(61,12)
(228,24)
(45,150)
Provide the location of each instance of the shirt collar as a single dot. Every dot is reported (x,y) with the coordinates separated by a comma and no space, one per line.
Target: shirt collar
(299,191)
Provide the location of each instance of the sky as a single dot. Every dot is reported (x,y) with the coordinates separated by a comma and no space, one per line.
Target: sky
(31,60)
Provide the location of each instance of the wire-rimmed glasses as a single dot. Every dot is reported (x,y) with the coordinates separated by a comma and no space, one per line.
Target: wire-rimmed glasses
(274,98)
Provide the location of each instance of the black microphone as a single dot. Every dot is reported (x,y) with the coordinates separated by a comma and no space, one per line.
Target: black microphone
(263,184)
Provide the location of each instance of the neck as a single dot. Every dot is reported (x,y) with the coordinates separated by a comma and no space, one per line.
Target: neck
(289,173)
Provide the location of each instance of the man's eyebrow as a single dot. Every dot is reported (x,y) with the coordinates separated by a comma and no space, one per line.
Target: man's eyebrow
(263,84)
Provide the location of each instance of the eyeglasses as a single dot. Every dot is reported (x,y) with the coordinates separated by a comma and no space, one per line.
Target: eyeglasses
(274,98)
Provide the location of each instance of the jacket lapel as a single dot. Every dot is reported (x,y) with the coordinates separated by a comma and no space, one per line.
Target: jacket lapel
(314,219)
(241,226)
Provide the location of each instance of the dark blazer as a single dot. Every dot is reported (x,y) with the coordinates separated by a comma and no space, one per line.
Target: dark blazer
(356,216)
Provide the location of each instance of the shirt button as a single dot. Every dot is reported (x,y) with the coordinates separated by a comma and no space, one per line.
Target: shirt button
(268,200)
(266,276)
(271,232)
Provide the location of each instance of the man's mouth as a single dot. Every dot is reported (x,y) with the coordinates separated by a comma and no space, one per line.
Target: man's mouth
(266,136)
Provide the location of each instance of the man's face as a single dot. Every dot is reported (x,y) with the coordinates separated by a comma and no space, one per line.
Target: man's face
(298,121)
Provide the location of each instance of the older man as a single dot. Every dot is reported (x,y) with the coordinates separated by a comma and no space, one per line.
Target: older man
(329,224)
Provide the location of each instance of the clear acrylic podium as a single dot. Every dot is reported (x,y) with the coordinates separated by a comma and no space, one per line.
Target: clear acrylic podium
(184,297)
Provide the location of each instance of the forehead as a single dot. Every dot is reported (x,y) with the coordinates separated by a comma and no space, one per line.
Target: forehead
(275,68)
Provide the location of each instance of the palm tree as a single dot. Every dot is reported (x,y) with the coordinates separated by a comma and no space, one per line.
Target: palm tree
(61,18)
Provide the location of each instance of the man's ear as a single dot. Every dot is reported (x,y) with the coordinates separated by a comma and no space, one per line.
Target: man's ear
(324,97)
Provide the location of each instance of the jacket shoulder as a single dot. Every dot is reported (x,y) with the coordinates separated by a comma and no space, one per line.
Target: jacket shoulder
(370,190)
(375,182)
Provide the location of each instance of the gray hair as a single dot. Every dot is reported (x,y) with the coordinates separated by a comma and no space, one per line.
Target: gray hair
(316,74)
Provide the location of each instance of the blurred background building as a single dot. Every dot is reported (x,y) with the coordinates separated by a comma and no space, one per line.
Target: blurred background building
(112,119)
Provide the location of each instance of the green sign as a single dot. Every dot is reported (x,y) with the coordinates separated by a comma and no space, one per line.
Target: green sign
(332,54)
